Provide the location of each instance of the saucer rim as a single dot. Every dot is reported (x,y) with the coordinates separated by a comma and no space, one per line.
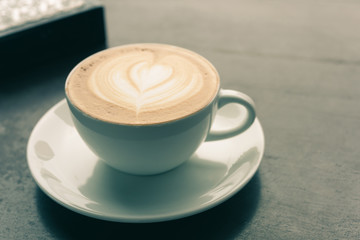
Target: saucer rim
(145,218)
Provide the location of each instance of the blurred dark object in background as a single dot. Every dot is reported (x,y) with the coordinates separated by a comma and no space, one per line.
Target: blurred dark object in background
(34,32)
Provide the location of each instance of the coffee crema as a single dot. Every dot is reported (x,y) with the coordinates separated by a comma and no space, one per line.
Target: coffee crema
(142,84)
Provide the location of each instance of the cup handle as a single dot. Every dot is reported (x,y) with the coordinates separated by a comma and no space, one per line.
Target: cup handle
(231,96)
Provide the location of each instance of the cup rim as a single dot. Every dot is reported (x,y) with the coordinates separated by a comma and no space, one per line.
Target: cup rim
(190,115)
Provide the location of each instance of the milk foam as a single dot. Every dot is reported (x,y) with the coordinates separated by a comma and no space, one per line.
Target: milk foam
(142,84)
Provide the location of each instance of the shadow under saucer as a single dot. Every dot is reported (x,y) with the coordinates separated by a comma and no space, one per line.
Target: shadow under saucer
(222,222)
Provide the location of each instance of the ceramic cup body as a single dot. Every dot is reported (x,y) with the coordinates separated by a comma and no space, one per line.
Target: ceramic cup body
(156,148)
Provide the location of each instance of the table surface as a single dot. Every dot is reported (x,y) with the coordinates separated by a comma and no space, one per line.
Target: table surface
(299,61)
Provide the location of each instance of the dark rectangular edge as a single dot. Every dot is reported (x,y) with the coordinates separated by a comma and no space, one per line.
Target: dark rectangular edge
(70,35)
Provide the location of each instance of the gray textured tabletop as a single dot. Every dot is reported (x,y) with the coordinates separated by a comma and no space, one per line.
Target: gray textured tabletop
(300,62)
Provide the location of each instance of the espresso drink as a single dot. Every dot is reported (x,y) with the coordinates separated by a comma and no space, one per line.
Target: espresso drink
(142,84)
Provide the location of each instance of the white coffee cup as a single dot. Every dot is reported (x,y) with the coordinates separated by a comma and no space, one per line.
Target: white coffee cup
(156,148)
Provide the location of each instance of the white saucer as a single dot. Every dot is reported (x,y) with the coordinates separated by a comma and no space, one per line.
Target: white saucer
(66,170)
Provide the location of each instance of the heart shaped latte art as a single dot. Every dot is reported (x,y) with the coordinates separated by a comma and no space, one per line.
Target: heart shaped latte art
(143,83)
